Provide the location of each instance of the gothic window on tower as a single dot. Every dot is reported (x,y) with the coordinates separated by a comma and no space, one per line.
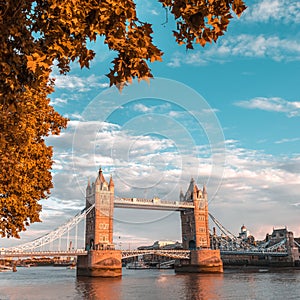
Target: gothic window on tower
(202,229)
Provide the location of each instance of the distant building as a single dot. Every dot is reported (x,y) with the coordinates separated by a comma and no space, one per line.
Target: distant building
(244,233)
(162,245)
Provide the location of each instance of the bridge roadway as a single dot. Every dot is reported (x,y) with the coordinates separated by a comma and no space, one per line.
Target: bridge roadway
(175,254)
(257,253)
(153,204)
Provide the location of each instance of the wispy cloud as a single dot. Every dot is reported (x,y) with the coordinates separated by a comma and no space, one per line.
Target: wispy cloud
(286,11)
(244,45)
(282,141)
(143,108)
(58,101)
(275,104)
(80,84)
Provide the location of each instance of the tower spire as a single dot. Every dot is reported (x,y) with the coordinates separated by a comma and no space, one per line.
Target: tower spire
(111,182)
(101,177)
(204,189)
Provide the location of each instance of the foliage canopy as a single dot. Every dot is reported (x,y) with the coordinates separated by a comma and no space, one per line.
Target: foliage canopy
(35,36)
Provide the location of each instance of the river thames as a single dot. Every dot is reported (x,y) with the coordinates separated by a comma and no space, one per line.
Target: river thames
(60,283)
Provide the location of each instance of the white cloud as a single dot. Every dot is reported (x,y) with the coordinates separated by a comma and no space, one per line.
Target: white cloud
(80,84)
(58,101)
(275,104)
(142,108)
(286,11)
(244,45)
(287,140)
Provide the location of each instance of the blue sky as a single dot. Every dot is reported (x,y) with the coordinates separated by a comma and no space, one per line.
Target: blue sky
(226,114)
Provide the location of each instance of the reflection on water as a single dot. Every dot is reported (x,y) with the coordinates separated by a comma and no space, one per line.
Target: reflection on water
(99,288)
(147,284)
(43,283)
(203,286)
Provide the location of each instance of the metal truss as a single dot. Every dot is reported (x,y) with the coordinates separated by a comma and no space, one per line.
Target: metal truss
(277,246)
(222,228)
(53,235)
(231,243)
(297,244)
(176,254)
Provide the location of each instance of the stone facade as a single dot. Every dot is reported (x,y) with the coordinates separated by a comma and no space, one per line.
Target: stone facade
(201,261)
(195,235)
(100,263)
(102,260)
(99,222)
(194,222)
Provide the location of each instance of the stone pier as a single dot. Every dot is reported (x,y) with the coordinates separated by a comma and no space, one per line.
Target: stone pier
(201,261)
(100,263)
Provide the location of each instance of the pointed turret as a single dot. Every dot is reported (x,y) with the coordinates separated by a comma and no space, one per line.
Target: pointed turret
(111,184)
(195,189)
(88,188)
(204,190)
(190,191)
(181,195)
(101,177)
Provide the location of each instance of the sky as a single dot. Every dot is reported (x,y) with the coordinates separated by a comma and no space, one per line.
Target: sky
(226,115)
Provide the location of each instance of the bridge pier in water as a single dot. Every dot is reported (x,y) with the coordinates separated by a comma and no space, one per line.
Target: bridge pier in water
(201,261)
(100,263)
(195,234)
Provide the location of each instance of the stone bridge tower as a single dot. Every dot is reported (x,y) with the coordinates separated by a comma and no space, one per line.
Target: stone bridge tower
(99,222)
(195,234)
(194,222)
(102,260)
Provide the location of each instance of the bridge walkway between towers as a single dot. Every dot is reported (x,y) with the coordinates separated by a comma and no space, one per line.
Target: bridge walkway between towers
(153,204)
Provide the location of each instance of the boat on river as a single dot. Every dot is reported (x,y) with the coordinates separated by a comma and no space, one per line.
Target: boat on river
(5,268)
(137,265)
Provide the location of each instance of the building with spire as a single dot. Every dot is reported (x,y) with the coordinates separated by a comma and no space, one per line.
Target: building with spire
(194,222)
(99,222)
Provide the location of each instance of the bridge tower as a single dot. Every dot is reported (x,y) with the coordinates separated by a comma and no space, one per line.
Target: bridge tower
(194,222)
(195,234)
(99,222)
(102,259)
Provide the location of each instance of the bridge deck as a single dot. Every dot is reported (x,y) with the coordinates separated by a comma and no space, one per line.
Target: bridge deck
(176,254)
(5,254)
(153,204)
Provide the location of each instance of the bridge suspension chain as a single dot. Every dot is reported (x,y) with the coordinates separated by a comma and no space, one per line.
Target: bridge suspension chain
(276,246)
(53,235)
(222,228)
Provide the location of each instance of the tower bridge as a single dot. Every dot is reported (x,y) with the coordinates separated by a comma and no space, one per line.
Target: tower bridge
(100,258)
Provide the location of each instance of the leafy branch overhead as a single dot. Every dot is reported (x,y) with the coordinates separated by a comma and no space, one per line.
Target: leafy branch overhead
(35,36)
